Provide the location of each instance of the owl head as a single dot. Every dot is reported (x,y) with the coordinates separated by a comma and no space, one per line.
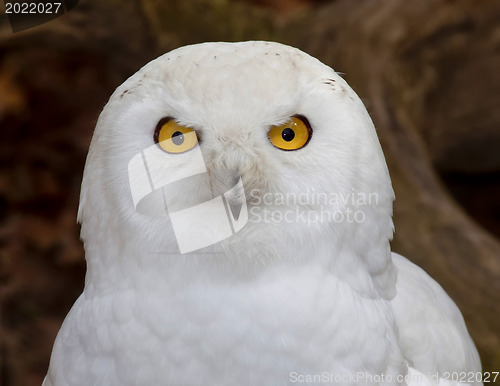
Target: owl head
(238,156)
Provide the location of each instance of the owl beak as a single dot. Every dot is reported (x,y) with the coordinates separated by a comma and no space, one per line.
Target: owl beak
(235,198)
(228,183)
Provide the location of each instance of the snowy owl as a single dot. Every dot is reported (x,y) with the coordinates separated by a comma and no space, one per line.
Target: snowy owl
(236,213)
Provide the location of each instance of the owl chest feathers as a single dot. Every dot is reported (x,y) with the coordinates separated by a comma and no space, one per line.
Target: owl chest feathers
(304,320)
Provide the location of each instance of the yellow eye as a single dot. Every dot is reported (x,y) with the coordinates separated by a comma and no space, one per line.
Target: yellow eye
(293,135)
(174,138)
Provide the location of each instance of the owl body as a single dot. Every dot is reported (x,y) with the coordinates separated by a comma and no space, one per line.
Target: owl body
(261,332)
(305,291)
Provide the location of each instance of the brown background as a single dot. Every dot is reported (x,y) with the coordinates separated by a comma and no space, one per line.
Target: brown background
(428,71)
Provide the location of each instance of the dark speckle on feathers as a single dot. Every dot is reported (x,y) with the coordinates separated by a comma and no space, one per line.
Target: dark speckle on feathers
(330,82)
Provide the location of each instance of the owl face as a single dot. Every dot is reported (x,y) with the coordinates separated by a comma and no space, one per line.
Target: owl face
(280,123)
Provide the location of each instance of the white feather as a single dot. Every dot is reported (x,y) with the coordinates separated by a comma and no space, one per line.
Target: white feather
(278,299)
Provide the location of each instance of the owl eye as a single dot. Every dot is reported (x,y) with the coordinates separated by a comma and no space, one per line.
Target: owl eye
(293,135)
(174,138)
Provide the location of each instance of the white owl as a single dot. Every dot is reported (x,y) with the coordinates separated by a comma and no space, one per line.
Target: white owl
(236,213)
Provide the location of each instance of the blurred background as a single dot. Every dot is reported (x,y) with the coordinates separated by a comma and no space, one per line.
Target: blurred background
(428,72)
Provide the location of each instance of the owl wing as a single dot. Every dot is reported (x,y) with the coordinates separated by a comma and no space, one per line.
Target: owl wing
(433,336)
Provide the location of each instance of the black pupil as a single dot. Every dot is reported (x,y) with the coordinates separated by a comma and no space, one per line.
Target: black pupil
(177,138)
(288,134)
